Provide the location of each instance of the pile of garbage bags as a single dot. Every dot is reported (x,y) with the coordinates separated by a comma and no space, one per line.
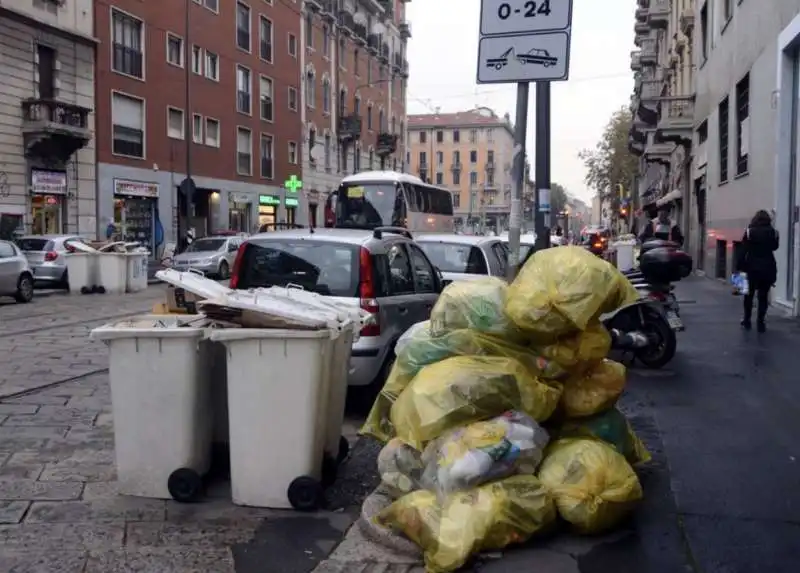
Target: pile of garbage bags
(498,416)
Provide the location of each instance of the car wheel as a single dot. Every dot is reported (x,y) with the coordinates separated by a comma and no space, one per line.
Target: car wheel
(24,288)
(224,271)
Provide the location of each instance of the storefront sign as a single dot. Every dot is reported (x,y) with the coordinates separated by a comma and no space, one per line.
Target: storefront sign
(48,182)
(293,184)
(239,198)
(291,202)
(135,188)
(269,200)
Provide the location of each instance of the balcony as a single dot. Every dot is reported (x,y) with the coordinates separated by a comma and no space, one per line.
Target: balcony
(54,130)
(404,72)
(656,151)
(637,141)
(456,166)
(329,10)
(345,21)
(405,30)
(386,144)
(490,166)
(360,34)
(388,8)
(687,22)
(651,89)
(314,5)
(373,45)
(649,52)
(641,14)
(676,120)
(641,28)
(385,52)
(397,62)
(636,62)
(658,14)
(350,127)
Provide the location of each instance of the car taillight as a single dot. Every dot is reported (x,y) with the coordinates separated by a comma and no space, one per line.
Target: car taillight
(50,256)
(598,245)
(69,248)
(366,292)
(237,266)
(659,296)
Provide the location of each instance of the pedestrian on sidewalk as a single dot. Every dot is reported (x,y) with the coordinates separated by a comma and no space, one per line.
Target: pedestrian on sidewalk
(757,259)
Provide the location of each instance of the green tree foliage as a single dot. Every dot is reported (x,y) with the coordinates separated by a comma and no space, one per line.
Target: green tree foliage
(611,163)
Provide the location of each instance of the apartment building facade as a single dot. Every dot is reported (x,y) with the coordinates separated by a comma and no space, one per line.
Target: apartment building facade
(470,153)
(214,93)
(353,112)
(47,172)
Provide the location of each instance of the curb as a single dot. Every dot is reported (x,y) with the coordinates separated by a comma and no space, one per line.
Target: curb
(374,504)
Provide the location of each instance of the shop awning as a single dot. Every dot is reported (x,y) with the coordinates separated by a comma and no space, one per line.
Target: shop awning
(673,195)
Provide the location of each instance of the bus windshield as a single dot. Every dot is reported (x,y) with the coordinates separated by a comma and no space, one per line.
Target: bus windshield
(368,205)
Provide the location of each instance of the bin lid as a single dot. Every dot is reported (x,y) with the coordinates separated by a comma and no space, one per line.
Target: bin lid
(195,283)
(153,326)
(271,311)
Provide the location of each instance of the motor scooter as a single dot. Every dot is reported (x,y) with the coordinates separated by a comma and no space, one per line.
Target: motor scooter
(643,328)
(658,287)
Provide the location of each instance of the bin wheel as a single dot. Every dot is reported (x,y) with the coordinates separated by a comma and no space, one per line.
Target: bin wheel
(184,485)
(344,449)
(305,493)
(330,470)
(100,289)
(86,290)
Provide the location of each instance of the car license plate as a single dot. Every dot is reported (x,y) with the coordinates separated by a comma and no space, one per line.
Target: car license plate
(674,321)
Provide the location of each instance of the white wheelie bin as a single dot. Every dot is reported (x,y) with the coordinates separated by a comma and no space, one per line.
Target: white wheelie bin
(625,254)
(136,271)
(82,272)
(160,394)
(113,272)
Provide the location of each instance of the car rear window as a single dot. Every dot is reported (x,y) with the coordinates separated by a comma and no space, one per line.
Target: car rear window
(456,258)
(35,244)
(318,266)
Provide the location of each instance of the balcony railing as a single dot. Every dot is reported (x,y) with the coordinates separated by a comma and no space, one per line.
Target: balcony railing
(649,53)
(55,112)
(676,112)
(636,62)
(372,42)
(405,30)
(658,14)
(345,20)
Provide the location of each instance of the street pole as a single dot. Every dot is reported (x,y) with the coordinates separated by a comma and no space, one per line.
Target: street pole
(187,187)
(515,222)
(542,163)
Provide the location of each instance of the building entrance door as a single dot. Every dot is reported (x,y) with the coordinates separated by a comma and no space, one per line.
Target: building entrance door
(791,212)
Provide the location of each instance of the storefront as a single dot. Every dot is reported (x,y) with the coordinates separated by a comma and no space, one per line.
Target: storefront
(48,201)
(291,210)
(240,212)
(268,210)
(136,211)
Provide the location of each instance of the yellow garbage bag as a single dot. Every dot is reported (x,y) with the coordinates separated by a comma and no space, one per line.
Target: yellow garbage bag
(378,424)
(487,518)
(594,391)
(465,389)
(593,486)
(475,304)
(418,348)
(562,290)
(579,351)
(400,467)
(612,428)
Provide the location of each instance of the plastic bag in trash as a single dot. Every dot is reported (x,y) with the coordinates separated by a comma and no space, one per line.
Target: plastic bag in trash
(476,304)
(612,428)
(594,391)
(418,348)
(579,351)
(559,291)
(488,518)
(400,467)
(466,389)
(593,486)
(484,451)
(379,424)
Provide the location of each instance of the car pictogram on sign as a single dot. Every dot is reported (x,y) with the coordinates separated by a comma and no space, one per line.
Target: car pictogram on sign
(537,56)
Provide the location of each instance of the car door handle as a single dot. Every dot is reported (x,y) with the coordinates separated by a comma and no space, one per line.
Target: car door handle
(402,310)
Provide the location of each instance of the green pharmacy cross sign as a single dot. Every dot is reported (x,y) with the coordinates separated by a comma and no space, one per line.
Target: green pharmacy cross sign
(293,184)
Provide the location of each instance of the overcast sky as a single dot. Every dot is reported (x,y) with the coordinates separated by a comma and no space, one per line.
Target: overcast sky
(442,54)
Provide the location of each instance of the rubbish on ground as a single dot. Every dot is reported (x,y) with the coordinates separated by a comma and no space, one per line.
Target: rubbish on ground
(560,291)
(476,304)
(487,518)
(400,467)
(484,451)
(579,351)
(593,486)
(466,389)
(612,428)
(593,392)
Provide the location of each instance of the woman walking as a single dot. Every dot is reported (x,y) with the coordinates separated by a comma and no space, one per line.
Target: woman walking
(757,259)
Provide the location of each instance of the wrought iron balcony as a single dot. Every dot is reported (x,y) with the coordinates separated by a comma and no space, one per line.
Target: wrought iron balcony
(456,166)
(386,144)
(329,9)
(636,62)
(350,127)
(54,130)
(649,52)
(397,62)
(658,15)
(346,22)
(641,14)
(641,28)
(405,30)
(314,5)
(676,120)
(372,43)
(385,52)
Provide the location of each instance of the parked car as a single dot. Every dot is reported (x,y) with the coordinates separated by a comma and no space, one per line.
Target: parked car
(383,271)
(45,254)
(212,256)
(465,257)
(16,276)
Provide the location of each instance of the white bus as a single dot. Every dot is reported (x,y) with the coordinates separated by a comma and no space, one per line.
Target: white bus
(387,198)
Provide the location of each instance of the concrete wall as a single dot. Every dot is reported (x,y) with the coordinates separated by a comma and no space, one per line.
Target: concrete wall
(73,16)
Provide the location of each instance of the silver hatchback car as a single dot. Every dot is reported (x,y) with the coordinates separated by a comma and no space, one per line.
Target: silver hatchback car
(212,256)
(16,277)
(383,271)
(465,257)
(45,253)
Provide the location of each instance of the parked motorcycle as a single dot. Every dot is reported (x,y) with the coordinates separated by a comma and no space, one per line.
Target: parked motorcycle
(643,329)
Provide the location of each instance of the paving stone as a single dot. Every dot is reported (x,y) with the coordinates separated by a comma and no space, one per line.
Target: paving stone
(12,512)
(11,445)
(44,536)
(38,399)
(43,562)
(69,391)
(196,535)
(121,508)
(18,489)
(99,403)
(71,418)
(100,490)
(78,472)
(161,560)
(27,471)
(43,432)
(104,420)
(7,409)
(3,418)
(215,510)
(65,456)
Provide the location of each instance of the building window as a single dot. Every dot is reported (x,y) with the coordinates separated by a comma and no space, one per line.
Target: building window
(327,151)
(490,135)
(456,158)
(243,26)
(212,66)
(212,132)
(342,52)
(473,136)
(342,100)
(309,32)
(311,89)
(456,136)
(456,177)
(357,105)
(423,159)
(439,158)
(197,128)
(326,95)
(702,133)
(212,5)
(456,200)
(439,178)
(197,60)
(723,140)
(243,90)
(355,61)
(402,132)
(369,70)
(266,153)
(473,156)
(490,158)
(266,98)
(423,137)
(369,116)
(127,117)
(292,98)
(293,45)
(439,136)
(244,151)
(46,67)
(127,42)
(357,159)
(326,42)
(265,43)
(381,121)
(174,50)
(175,124)
(473,178)
(371,160)
(742,124)
(704,39)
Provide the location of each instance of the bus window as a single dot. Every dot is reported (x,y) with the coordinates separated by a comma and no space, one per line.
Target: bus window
(366,205)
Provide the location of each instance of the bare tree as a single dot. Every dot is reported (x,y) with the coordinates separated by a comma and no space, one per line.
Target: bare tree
(610,163)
